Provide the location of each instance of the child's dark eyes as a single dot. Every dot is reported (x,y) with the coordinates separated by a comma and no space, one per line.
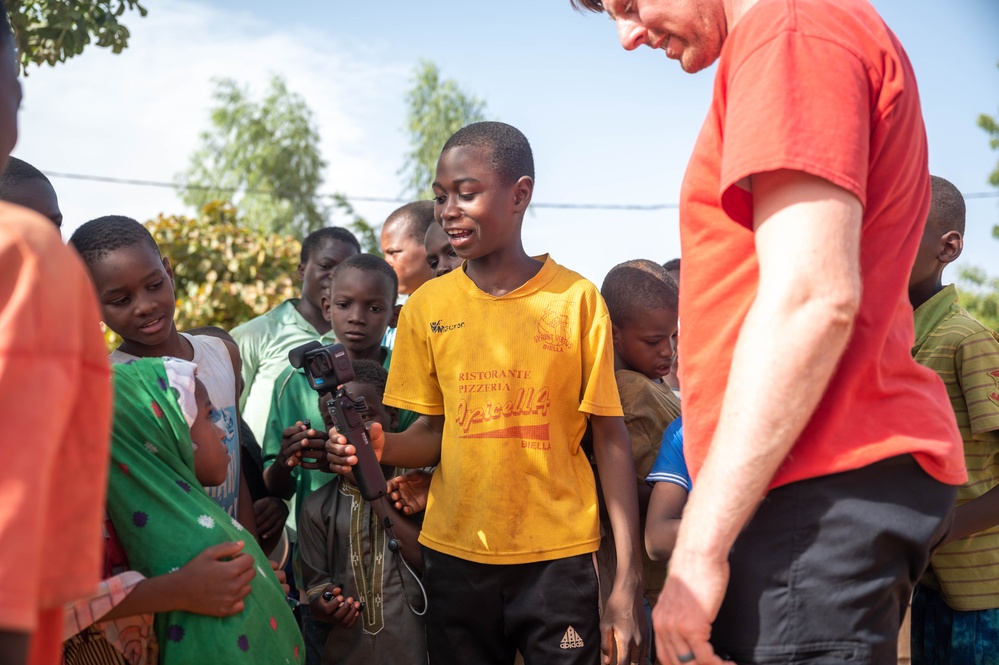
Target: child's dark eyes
(432,263)
(466,197)
(119,302)
(155,285)
(439,200)
(341,305)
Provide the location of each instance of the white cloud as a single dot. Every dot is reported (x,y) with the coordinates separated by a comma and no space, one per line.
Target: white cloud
(138,115)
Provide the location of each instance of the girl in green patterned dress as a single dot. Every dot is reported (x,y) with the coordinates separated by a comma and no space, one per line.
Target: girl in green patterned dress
(164,448)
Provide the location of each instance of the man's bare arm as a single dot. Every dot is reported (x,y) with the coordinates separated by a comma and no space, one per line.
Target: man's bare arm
(794,334)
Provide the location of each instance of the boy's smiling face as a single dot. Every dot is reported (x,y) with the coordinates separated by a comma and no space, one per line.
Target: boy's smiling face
(645,343)
(135,287)
(479,212)
(359,307)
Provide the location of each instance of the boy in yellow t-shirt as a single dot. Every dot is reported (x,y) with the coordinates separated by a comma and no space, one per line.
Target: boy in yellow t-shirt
(506,360)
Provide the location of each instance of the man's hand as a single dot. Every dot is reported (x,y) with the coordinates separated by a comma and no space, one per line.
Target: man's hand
(624,637)
(301,446)
(338,610)
(270,513)
(342,456)
(216,581)
(410,490)
(686,608)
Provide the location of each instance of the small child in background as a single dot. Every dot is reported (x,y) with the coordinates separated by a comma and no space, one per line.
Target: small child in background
(359,306)
(345,554)
(167,444)
(441,257)
(135,287)
(24,185)
(642,300)
(955,606)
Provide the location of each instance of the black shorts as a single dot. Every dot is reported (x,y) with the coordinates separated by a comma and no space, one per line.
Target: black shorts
(824,570)
(480,614)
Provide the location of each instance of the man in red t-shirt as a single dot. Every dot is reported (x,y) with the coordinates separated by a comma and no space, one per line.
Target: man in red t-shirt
(55,418)
(823,457)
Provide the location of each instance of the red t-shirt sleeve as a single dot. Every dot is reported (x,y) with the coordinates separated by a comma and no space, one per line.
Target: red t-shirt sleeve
(795,102)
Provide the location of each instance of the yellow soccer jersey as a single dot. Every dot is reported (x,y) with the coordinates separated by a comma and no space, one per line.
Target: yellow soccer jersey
(514,376)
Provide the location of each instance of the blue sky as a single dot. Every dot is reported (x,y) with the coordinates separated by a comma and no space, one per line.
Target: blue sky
(607,126)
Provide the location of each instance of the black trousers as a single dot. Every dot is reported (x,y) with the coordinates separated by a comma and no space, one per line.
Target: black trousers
(480,614)
(824,570)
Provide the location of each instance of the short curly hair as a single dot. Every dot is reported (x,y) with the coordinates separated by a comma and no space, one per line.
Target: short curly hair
(510,152)
(320,237)
(368,263)
(415,218)
(371,373)
(638,284)
(99,237)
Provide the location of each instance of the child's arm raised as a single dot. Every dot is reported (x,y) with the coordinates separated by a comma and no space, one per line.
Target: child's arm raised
(419,445)
(623,629)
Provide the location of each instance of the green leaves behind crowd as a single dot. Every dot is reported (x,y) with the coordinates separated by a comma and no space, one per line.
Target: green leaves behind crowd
(225,271)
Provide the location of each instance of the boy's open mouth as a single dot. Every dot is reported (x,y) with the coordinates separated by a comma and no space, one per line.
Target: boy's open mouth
(153,325)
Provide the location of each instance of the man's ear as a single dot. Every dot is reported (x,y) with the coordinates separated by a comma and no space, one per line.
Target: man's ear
(951,246)
(615,335)
(301,272)
(394,321)
(523,189)
(324,304)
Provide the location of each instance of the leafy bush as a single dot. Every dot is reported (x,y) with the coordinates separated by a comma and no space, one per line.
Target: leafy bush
(225,273)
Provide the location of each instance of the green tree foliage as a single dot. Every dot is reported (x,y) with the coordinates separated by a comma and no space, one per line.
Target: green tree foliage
(979,291)
(262,156)
(224,272)
(51,31)
(366,234)
(980,295)
(435,109)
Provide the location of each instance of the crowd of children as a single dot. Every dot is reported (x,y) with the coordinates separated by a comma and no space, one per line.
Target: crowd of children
(528,427)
